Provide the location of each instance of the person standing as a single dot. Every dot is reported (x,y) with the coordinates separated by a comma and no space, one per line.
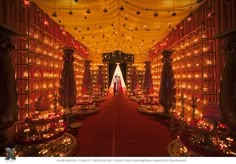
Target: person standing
(119,86)
(115,85)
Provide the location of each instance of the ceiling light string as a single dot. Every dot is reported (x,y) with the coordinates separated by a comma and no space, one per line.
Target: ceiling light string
(88,11)
(79,20)
(121,7)
(115,27)
(169,25)
(76,24)
(138,12)
(63,22)
(118,29)
(170,22)
(158,24)
(173,13)
(70,12)
(105,8)
(145,19)
(191,12)
(59,18)
(156,13)
(180,8)
(54,14)
(174,16)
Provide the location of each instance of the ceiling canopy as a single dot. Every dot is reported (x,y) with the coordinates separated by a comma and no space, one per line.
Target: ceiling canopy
(130,26)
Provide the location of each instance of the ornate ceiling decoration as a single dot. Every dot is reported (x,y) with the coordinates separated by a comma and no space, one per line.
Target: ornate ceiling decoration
(130,26)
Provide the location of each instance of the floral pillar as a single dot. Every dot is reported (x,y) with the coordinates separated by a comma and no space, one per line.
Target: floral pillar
(167,88)
(147,85)
(67,90)
(227,98)
(87,82)
(100,79)
(8,92)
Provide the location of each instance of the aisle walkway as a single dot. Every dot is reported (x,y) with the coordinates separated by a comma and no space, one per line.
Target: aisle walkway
(119,130)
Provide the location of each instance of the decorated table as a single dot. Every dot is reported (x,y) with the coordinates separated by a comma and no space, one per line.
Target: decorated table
(151,109)
(84,110)
(40,127)
(177,149)
(137,95)
(44,134)
(63,146)
(149,105)
(204,138)
(85,105)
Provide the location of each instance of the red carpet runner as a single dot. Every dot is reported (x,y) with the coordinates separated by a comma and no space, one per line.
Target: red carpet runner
(120,130)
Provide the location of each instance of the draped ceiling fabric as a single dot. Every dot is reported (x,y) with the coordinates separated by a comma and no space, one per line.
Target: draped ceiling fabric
(131,26)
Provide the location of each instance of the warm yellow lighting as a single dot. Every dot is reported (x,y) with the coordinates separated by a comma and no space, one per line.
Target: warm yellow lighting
(205,75)
(195,51)
(197,76)
(25,75)
(204,49)
(36,86)
(50,85)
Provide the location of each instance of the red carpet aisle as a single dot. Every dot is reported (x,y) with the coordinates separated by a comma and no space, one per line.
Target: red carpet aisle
(119,130)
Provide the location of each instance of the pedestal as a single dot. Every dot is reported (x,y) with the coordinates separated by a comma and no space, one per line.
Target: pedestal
(228,83)
(167,88)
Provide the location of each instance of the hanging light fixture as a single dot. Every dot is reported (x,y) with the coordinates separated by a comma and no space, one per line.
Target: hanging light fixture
(122,8)
(174,13)
(126,17)
(88,11)
(155,14)
(70,12)
(138,12)
(54,14)
(105,8)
